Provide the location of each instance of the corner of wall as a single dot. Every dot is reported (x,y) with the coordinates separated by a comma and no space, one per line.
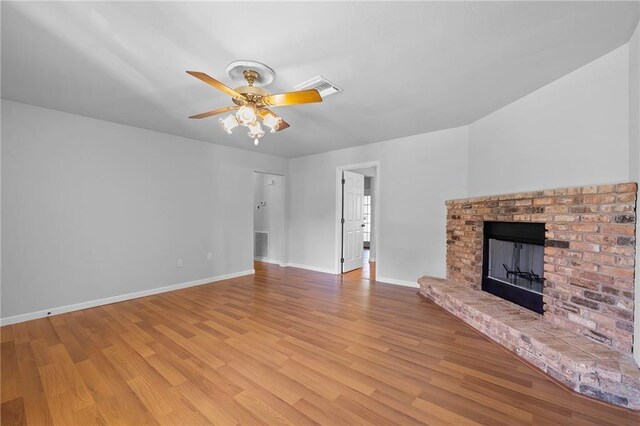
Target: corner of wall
(634,163)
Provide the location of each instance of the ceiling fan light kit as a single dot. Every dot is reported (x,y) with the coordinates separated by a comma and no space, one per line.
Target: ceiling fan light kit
(251,101)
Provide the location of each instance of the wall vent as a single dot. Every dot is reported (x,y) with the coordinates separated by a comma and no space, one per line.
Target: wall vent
(324,86)
(261,244)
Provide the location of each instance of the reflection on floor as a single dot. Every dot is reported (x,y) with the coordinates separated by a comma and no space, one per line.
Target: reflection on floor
(368,270)
(283,346)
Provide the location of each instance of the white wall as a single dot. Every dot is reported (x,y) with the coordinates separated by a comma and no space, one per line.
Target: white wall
(92,209)
(417,174)
(571,132)
(634,161)
(270,218)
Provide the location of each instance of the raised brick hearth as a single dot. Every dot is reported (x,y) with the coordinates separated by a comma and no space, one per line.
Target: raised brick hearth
(589,253)
(574,360)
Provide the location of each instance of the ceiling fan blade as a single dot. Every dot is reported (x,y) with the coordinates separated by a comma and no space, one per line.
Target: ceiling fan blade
(263,112)
(293,98)
(214,112)
(283,125)
(215,83)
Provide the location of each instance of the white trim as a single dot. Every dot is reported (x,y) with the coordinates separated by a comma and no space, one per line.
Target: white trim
(413,284)
(310,268)
(120,298)
(372,259)
(267,260)
(376,207)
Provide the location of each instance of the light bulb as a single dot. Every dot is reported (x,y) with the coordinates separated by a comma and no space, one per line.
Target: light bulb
(272,122)
(246,115)
(255,130)
(256,141)
(229,123)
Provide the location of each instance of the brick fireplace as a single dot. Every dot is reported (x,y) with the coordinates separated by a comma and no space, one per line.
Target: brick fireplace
(589,253)
(584,336)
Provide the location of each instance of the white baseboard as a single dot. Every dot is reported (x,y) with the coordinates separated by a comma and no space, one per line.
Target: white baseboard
(372,259)
(120,298)
(310,268)
(398,282)
(267,260)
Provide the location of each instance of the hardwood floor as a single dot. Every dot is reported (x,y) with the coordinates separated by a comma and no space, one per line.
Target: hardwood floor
(368,270)
(286,346)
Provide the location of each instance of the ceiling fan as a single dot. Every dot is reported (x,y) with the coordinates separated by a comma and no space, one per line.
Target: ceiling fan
(251,101)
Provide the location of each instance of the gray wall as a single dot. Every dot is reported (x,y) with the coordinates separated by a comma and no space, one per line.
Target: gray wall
(572,132)
(634,161)
(92,209)
(417,174)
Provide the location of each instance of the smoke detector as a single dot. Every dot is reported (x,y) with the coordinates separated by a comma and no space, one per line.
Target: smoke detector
(321,84)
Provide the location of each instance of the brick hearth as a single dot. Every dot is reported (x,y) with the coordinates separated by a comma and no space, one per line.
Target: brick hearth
(582,365)
(589,253)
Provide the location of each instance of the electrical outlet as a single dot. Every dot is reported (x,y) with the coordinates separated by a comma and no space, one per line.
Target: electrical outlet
(179,263)
(399,260)
(209,256)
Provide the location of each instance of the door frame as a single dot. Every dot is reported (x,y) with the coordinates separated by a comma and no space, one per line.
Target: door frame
(284,250)
(376,210)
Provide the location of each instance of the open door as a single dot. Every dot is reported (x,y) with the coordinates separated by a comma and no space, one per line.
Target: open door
(352,220)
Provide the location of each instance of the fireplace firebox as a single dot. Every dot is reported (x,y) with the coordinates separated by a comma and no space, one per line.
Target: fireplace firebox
(513,262)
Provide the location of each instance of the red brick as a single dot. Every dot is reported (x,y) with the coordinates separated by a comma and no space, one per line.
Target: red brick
(544,201)
(617,271)
(602,218)
(626,197)
(606,189)
(584,209)
(567,236)
(566,218)
(559,227)
(569,200)
(599,199)
(591,285)
(556,209)
(600,239)
(618,229)
(628,262)
(555,278)
(627,187)
(584,227)
(576,245)
(599,258)
(596,277)
(621,250)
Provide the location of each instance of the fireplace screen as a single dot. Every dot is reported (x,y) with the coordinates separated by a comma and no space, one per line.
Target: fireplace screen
(516,263)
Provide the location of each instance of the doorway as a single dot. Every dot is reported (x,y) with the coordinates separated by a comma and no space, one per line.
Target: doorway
(268,217)
(357,215)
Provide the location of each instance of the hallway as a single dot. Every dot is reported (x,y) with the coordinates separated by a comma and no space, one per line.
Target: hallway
(368,270)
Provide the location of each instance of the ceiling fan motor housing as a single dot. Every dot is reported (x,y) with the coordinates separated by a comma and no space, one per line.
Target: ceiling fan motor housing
(254,94)
(261,74)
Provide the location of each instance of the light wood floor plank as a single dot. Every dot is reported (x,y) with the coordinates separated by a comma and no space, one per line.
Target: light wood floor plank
(285,346)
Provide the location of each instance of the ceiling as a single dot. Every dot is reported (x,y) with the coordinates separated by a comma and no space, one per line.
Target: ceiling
(405,68)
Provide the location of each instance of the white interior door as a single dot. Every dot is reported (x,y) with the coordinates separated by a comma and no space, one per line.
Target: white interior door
(353,220)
